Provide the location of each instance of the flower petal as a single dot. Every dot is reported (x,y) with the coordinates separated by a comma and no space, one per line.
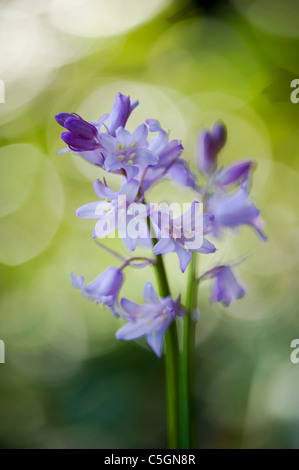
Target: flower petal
(129,190)
(123,137)
(81,128)
(88,211)
(155,337)
(145,157)
(149,294)
(77,281)
(234,173)
(206,247)
(77,143)
(164,246)
(183,255)
(140,135)
(103,191)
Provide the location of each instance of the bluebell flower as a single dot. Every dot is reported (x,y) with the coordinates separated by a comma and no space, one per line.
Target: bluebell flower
(183,234)
(104,289)
(127,152)
(225,287)
(234,210)
(150,320)
(87,138)
(112,212)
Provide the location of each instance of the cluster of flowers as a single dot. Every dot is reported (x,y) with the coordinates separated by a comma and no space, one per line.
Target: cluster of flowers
(143,158)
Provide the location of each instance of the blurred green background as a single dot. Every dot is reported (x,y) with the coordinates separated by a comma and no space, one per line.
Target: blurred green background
(67,382)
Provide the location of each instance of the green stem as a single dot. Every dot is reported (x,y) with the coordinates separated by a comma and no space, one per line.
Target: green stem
(186,369)
(171,359)
(171,362)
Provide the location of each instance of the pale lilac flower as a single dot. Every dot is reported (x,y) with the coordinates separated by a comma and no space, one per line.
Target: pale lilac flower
(183,234)
(233,210)
(105,288)
(209,143)
(150,320)
(112,211)
(225,288)
(127,152)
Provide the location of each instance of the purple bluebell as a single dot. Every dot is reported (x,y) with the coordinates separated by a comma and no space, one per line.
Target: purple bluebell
(150,320)
(121,110)
(225,287)
(183,234)
(209,144)
(233,210)
(81,134)
(105,288)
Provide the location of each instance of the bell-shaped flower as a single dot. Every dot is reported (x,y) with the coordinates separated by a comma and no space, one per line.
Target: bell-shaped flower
(105,288)
(225,287)
(234,210)
(117,209)
(150,320)
(126,152)
(183,234)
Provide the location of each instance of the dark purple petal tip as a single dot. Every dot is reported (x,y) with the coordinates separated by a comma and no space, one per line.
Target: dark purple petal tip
(77,143)
(81,128)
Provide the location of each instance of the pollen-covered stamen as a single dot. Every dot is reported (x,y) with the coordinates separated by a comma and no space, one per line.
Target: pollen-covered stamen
(121,147)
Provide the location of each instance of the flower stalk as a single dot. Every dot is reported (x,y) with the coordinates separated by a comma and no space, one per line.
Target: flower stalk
(186,368)
(171,359)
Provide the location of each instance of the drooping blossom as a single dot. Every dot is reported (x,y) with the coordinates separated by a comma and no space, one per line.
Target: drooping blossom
(104,289)
(234,210)
(225,287)
(150,320)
